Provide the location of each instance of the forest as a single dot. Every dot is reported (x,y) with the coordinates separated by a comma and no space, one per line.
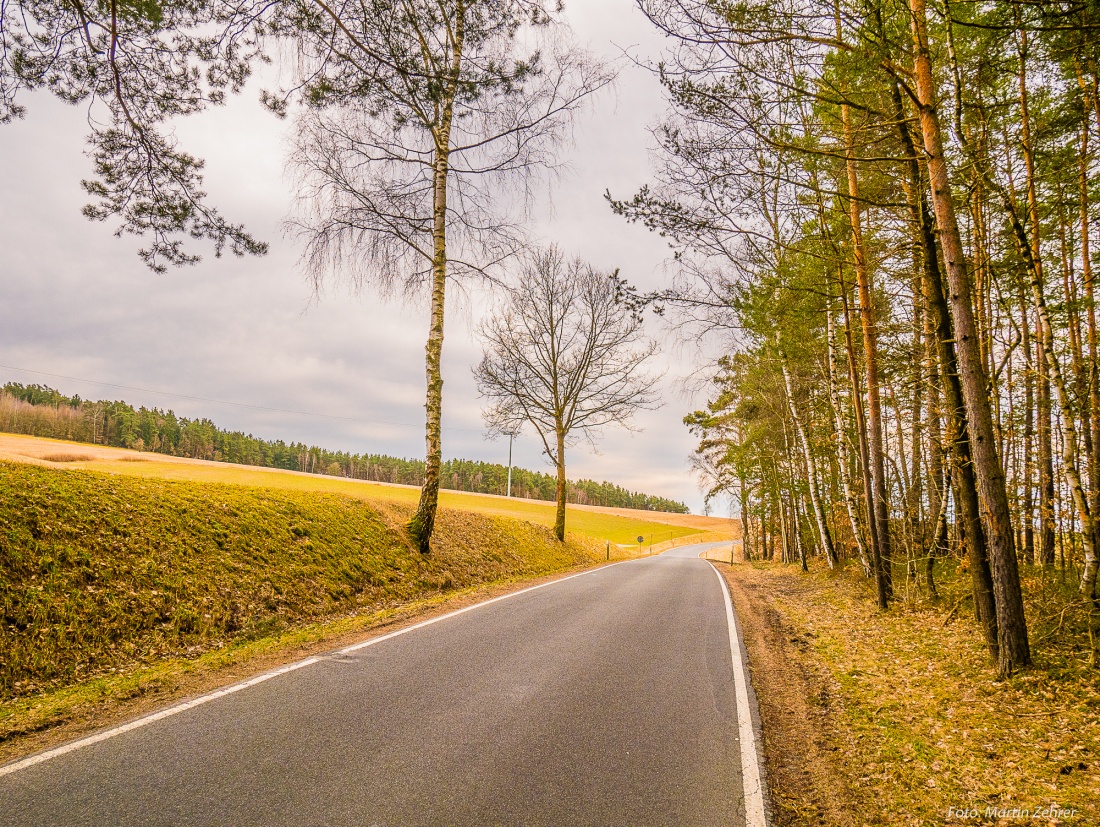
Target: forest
(887,211)
(42,411)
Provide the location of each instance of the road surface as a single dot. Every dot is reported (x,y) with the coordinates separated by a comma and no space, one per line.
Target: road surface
(606,698)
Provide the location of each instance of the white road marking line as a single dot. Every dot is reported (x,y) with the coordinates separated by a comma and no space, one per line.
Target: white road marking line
(8,769)
(456,612)
(750,756)
(148,719)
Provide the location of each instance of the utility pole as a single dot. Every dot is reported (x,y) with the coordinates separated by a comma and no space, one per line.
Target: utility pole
(510,438)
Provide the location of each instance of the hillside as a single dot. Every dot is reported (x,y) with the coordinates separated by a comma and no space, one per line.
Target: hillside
(617,525)
(108,575)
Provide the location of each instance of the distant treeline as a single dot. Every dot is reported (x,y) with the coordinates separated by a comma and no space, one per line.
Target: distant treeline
(41,411)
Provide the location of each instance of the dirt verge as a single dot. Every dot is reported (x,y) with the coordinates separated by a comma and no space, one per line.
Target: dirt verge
(896,718)
(797,710)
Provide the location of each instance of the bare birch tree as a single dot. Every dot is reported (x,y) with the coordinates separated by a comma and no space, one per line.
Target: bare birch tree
(566,356)
(425,123)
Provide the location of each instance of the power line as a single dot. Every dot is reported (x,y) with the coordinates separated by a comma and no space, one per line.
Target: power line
(224,402)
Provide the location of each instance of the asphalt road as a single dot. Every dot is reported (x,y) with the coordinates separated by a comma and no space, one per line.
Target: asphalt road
(607,698)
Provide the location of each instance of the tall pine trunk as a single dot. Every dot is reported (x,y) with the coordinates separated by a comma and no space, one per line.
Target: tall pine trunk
(942,332)
(843,458)
(880,513)
(1044,432)
(1014,650)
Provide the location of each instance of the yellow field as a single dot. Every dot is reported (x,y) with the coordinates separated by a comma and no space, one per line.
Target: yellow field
(617,525)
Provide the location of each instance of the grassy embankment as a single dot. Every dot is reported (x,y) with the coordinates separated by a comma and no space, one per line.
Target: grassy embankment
(894,718)
(619,526)
(119,586)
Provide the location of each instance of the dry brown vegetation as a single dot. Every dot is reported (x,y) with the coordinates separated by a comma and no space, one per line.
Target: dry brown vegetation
(892,718)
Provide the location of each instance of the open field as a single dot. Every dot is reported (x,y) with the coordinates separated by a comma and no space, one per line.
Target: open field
(618,525)
(893,718)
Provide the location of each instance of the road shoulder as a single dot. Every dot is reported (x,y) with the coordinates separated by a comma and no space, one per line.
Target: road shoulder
(800,738)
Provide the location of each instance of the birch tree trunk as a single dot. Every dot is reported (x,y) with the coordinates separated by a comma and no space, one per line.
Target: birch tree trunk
(423,522)
(1091,99)
(811,471)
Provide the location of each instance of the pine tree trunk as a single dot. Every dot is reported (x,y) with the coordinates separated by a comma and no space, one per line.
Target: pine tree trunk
(981,576)
(915,499)
(881,512)
(1045,437)
(861,433)
(785,551)
(1044,432)
(1029,434)
(842,452)
(1013,650)
(747,542)
(1045,335)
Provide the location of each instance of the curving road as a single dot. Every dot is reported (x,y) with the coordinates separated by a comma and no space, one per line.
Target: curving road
(606,698)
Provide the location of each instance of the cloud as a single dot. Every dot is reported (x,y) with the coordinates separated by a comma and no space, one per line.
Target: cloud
(76,301)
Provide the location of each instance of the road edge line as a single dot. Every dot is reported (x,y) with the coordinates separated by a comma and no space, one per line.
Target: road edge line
(145,720)
(748,719)
(372,641)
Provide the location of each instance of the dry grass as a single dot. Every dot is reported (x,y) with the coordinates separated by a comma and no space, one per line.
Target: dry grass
(67,458)
(903,711)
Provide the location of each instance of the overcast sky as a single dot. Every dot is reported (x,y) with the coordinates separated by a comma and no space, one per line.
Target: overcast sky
(77,302)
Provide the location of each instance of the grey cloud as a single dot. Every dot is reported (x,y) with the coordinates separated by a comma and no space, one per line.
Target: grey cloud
(76,301)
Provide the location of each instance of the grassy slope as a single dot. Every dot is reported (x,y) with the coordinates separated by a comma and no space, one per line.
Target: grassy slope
(105,574)
(623,527)
(901,718)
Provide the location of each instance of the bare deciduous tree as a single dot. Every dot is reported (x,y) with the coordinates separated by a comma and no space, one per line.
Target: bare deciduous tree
(565,355)
(426,122)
